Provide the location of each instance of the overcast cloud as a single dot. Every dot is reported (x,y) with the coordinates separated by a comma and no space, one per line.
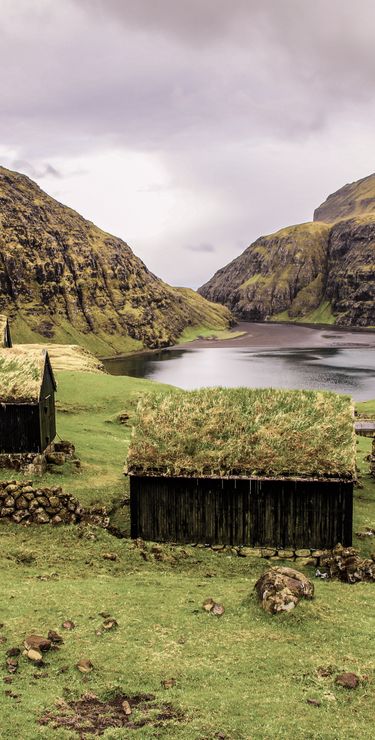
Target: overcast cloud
(188,128)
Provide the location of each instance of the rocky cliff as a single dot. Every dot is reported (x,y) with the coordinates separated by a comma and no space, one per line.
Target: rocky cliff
(319,272)
(63,279)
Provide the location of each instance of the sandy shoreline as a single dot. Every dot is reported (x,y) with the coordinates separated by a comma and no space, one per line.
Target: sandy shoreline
(288,336)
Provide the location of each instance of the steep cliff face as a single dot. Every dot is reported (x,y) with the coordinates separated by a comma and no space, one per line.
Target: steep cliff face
(63,279)
(271,274)
(315,272)
(351,272)
(354,199)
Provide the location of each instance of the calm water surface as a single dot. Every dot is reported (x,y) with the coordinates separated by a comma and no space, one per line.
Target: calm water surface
(342,370)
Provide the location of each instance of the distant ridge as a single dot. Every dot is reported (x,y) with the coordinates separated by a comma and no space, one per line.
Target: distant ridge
(318,272)
(63,279)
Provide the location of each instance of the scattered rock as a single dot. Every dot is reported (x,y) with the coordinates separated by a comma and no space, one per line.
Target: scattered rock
(168,683)
(13,652)
(367,532)
(54,637)
(8,679)
(110,624)
(280,589)
(347,680)
(34,655)
(126,707)
(37,642)
(346,564)
(12,665)
(85,665)
(211,606)
(68,625)
(218,610)
(208,604)
(110,556)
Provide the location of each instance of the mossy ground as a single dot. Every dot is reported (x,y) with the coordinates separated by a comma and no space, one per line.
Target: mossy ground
(245,675)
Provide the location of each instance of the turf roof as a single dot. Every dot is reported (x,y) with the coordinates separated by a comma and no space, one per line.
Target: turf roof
(21,374)
(244,432)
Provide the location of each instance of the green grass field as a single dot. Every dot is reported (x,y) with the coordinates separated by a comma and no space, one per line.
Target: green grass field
(244,676)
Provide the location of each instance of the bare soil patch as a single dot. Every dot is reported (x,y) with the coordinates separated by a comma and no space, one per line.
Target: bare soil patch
(90,716)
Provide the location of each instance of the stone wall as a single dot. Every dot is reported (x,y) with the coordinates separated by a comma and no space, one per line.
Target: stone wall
(20,502)
(37,463)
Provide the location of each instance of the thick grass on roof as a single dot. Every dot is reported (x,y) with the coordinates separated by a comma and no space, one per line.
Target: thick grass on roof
(21,375)
(244,432)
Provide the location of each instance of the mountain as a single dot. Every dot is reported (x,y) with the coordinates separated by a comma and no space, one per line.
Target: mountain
(63,279)
(355,199)
(318,272)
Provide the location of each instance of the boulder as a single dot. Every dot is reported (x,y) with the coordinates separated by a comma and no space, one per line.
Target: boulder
(280,589)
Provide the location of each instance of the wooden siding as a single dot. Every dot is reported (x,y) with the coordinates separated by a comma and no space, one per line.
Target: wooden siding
(277,513)
(47,412)
(19,428)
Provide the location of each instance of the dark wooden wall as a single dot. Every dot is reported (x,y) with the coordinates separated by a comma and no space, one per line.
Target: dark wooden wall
(273,513)
(19,428)
(29,427)
(47,410)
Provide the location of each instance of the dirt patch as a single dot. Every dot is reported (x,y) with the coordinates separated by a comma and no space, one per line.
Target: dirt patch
(92,716)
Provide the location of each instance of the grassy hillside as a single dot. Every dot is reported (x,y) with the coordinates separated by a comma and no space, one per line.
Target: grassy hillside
(244,675)
(65,280)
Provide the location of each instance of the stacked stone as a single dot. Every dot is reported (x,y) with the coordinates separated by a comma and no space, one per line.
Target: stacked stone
(301,556)
(21,503)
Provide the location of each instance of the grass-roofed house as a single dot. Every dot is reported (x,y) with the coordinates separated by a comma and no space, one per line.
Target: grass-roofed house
(5,337)
(243,467)
(27,401)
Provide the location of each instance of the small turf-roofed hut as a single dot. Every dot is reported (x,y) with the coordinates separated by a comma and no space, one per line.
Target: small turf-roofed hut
(27,401)
(5,337)
(240,466)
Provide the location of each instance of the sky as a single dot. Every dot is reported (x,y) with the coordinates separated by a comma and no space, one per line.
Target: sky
(188,128)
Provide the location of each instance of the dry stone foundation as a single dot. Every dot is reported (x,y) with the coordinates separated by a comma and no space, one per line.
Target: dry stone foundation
(37,463)
(20,502)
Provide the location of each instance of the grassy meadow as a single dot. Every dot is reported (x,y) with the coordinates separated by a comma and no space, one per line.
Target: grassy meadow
(244,676)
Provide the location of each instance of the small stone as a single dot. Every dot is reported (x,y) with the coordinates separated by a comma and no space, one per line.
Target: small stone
(168,683)
(302,553)
(68,625)
(110,556)
(286,554)
(126,707)
(208,605)
(267,552)
(249,552)
(36,642)
(55,637)
(13,652)
(85,665)
(35,656)
(218,610)
(314,702)
(347,680)
(217,548)
(7,679)
(110,624)
(12,665)
(41,518)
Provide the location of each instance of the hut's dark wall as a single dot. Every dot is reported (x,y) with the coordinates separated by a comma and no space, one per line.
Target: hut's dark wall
(47,410)
(19,428)
(242,512)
